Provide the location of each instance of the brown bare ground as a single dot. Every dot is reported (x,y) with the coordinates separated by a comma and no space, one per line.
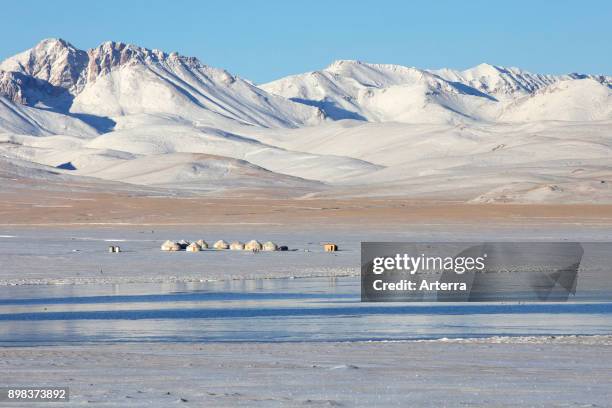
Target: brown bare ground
(40,207)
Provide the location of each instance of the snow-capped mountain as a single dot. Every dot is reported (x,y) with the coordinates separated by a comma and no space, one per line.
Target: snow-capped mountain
(500,82)
(510,83)
(120,112)
(383,92)
(52,60)
(116,79)
(380,93)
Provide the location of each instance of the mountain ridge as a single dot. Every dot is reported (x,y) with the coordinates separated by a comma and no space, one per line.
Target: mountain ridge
(123,113)
(351,89)
(117,79)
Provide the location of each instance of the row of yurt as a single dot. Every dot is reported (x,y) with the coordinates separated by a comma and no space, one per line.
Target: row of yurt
(197,246)
(172,246)
(252,245)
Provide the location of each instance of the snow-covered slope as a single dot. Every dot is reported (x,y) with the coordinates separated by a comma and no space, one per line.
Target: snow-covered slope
(198,172)
(509,83)
(500,82)
(383,93)
(18,174)
(117,79)
(553,161)
(570,100)
(16,118)
(124,79)
(113,148)
(77,166)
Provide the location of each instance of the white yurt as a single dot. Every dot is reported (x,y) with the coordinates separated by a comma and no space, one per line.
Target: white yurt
(236,246)
(221,244)
(193,247)
(270,246)
(203,244)
(170,246)
(253,245)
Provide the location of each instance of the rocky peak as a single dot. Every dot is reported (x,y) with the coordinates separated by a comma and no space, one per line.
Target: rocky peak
(12,87)
(111,54)
(59,63)
(52,60)
(28,90)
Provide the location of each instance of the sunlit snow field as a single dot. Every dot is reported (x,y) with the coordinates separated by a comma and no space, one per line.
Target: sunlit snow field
(61,286)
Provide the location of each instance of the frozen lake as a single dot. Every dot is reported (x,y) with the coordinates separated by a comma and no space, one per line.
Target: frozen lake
(145,295)
(270,310)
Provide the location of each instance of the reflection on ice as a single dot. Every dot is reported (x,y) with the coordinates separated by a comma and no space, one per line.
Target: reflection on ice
(318,309)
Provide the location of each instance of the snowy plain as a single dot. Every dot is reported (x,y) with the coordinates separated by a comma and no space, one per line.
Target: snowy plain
(535,372)
(119,362)
(73,255)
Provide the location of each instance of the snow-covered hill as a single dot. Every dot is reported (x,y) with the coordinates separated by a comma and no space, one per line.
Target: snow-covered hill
(571,100)
(22,119)
(116,79)
(507,83)
(201,172)
(384,93)
(123,113)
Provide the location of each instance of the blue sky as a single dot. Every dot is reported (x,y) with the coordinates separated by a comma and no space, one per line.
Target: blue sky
(265,40)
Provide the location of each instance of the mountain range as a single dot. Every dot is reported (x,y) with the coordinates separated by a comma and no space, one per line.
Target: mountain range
(127,114)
